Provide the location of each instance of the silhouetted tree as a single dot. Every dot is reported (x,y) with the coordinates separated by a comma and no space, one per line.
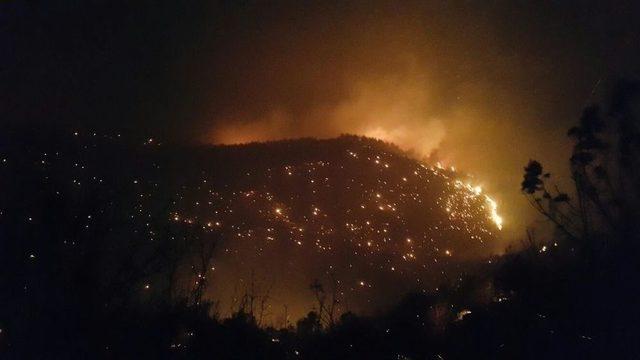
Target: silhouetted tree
(603,170)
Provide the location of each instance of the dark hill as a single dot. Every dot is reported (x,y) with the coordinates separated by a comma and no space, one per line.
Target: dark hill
(356,214)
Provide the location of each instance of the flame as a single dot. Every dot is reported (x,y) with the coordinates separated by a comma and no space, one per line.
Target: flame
(493,208)
(477,191)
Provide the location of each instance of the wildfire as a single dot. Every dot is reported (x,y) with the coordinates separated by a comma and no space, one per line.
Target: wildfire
(493,206)
(493,211)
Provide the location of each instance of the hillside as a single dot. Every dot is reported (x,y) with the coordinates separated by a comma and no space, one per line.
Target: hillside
(250,223)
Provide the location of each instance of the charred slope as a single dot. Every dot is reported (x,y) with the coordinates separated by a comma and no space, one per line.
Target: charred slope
(240,224)
(354,213)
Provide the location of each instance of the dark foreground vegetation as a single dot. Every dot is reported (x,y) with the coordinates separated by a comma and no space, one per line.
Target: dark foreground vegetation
(573,294)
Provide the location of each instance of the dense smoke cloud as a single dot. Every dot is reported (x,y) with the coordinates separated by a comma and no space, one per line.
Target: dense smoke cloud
(395,109)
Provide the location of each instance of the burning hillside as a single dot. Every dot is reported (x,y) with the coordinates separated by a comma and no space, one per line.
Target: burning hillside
(252,226)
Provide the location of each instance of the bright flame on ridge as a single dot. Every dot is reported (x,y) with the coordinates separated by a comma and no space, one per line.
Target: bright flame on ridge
(493,206)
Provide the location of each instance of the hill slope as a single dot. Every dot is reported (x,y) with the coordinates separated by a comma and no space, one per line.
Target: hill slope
(249,224)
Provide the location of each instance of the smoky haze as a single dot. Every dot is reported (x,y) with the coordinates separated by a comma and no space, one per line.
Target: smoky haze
(475,86)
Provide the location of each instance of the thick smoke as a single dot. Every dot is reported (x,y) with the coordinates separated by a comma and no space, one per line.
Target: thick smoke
(394,109)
